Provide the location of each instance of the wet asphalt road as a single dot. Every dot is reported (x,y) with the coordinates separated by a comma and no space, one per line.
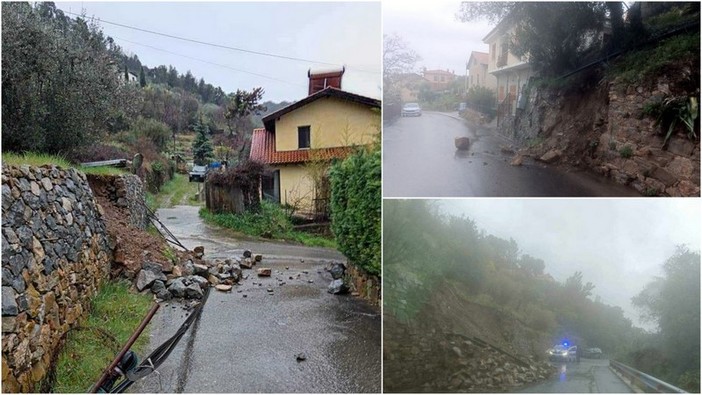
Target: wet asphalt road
(249,344)
(420,160)
(588,376)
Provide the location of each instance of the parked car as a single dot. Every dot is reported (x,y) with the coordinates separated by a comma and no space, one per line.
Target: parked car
(411,110)
(197,174)
(594,353)
(562,353)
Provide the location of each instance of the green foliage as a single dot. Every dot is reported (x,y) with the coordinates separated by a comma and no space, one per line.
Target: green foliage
(156,131)
(202,147)
(35,159)
(642,65)
(60,88)
(115,314)
(626,151)
(355,208)
(482,99)
(270,222)
(672,111)
(673,302)
(247,176)
(142,77)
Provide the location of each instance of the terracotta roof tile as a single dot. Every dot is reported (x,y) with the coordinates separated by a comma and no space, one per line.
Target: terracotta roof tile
(263,150)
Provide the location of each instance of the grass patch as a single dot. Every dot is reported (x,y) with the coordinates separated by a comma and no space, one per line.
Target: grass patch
(177,191)
(115,314)
(641,65)
(35,159)
(271,222)
(626,152)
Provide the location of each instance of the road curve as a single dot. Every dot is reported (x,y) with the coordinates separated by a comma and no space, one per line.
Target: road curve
(587,376)
(249,344)
(420,160)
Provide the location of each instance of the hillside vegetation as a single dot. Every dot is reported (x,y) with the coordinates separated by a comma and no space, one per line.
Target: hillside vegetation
(439,268)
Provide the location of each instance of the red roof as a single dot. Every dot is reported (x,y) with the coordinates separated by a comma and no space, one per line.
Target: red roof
(263,150)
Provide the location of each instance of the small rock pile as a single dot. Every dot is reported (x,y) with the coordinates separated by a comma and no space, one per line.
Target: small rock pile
(337,285)
(193,275)
(441,362)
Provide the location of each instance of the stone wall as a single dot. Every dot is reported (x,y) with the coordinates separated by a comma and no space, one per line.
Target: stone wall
(55,254)
(367,286)
(123,191)
(632,152)
(605,129)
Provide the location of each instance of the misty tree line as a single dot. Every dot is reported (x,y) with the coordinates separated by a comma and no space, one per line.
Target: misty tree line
(63,92)
(424,250)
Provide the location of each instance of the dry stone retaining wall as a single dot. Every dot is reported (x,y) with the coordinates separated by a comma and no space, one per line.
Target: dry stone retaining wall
(55,254)
(124,191)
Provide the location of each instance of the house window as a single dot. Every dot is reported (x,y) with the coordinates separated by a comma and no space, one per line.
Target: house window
(303,137)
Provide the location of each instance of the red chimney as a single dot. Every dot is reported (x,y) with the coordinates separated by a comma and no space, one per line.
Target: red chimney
(322,79)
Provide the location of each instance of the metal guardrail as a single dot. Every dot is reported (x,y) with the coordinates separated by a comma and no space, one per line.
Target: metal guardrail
(645,382)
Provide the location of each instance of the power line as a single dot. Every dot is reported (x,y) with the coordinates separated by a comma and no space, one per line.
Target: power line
(208,62)
(222,46)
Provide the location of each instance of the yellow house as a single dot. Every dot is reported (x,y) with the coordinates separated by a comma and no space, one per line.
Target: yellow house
(298,142)
(511,72)
(478,75)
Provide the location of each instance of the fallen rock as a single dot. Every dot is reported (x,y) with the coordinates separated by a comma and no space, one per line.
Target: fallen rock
(200,270)
(337,287)
(146,277)
(177,288)
(213,280)
(247,253)
(158,286)
(301,357)
(462,143)
(551,156)
(235,271)
(258,258)
(517,160)
(246,263)
(193,291)
(199,252)
(223,287)
(337,270)
(199,280)
(264,272)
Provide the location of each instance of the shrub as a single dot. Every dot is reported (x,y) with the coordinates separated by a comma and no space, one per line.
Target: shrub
(156,131)
(355,208)
(247,176)
(626,152)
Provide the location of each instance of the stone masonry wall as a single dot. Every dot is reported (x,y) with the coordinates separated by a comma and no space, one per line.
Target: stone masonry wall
(631,150)
(55,254)
(124,191)
(605,129)
(367,286)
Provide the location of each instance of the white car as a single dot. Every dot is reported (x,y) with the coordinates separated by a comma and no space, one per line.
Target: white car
(411,110)
(563,353)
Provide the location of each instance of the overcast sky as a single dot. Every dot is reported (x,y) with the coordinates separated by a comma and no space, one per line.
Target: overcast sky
(618,244)
(431,29)
(338,33)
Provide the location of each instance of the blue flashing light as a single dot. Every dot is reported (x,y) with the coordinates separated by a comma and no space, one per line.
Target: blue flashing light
(565,344)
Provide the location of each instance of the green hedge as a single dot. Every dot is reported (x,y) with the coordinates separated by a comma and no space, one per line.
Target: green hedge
(355,208)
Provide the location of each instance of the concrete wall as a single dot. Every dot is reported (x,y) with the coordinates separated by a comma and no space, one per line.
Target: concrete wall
(55,254)
(333,123)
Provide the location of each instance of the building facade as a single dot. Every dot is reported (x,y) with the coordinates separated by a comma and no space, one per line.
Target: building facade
(478,75)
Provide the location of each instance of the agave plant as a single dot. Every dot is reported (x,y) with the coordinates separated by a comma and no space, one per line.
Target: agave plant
(678,109)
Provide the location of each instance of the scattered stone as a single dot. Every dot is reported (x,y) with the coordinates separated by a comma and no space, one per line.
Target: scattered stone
(337,287)
(337,270)
(193,291)
(147,276)
(158,286)
(246,263)
(213,280)
(199,252)
(270,290)
(301,357)
(551,156)
(462,143)
(247,253)
(200,270)
(223,288)
(517,160)
(264,272)
(244,295)
(177,288)
(258,258)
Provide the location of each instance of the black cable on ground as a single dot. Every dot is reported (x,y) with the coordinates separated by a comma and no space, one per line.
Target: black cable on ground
(161,353)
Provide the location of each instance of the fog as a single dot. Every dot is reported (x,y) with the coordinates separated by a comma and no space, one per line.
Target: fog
(618,244)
